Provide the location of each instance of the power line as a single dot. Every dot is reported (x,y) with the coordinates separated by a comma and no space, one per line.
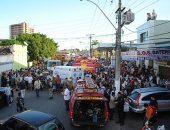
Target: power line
(126,3)
(124,35)
(138,5)
(103,35)
(100,14)
(129,29)
(146,6)
(133,3)
(93,18)
(152,36)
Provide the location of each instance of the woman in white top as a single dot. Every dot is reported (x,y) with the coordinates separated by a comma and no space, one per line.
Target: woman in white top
(37,85)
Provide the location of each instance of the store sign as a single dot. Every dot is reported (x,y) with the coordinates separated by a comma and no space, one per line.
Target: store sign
(129,55)
(146,55)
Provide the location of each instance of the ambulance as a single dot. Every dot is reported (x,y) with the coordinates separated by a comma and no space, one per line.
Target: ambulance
(88,106)
(74,72)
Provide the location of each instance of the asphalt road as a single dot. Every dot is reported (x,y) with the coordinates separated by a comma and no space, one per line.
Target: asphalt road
(56,107)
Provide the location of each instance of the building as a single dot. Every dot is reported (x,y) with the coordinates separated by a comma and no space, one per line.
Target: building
(13,57)
(154,46)
(20,28)
(103,50)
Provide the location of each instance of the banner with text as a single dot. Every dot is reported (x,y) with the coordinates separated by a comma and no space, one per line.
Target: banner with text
(163,54)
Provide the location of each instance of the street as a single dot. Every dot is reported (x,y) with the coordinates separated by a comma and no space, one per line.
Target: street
(56,107)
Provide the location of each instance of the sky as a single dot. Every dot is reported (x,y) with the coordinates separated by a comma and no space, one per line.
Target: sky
(69,22)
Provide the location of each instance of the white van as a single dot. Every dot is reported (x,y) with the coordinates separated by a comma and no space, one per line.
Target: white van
(69,71)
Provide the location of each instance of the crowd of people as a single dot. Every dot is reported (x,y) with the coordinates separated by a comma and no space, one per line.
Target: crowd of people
(32,79)
(132,77)
(36,79)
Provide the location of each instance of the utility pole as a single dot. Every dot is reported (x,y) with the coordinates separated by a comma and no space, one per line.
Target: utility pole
(128,17)
(90,37)
(118,49)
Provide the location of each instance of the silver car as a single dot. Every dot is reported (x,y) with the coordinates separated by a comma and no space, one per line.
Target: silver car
(139,97)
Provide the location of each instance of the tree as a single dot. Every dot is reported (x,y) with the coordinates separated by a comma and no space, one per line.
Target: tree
(11,42)
(39,46)
(95,42)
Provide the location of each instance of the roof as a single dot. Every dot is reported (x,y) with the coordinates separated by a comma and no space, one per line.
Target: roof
(34,118)
(150,89)
(4,50)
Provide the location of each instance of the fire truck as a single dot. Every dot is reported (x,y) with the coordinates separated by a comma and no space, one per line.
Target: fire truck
(88,106)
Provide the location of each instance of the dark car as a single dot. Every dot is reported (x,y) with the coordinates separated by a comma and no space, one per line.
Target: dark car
(32,120)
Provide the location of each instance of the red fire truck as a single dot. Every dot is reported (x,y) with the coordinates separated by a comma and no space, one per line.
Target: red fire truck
(88,106)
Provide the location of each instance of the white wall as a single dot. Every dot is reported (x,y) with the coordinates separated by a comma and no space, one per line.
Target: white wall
(155,29)
(164,27)
(6,58)
(6,62)
(5,67)
(20,55)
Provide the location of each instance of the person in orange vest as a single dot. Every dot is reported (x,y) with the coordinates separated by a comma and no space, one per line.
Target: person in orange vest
(151,112)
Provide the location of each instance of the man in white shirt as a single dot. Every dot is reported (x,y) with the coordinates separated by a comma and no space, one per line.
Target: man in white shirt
(30,82)
(8,94)
(67,96)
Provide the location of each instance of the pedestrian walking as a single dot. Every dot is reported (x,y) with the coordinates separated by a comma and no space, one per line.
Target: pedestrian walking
(58,83)
(22,87)
(120,107)
(50,86)
(37,86)
(20,103)
(151,111)
(67,96)
(112,105)
(8,94)
(30,79)
(3,80)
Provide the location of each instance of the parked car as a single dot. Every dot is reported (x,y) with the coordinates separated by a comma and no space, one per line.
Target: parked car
(32,120)
(139,97)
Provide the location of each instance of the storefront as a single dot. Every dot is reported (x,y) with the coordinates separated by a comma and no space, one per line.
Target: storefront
(164,69)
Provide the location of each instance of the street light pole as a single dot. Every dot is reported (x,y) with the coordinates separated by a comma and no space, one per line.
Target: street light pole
(102,12)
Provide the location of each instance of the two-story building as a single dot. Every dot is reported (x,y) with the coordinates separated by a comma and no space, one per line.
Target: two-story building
(154,46)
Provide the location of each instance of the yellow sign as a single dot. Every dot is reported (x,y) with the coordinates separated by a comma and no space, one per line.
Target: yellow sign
(90,98)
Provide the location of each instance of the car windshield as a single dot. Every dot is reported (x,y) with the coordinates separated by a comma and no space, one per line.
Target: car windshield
(51,125)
